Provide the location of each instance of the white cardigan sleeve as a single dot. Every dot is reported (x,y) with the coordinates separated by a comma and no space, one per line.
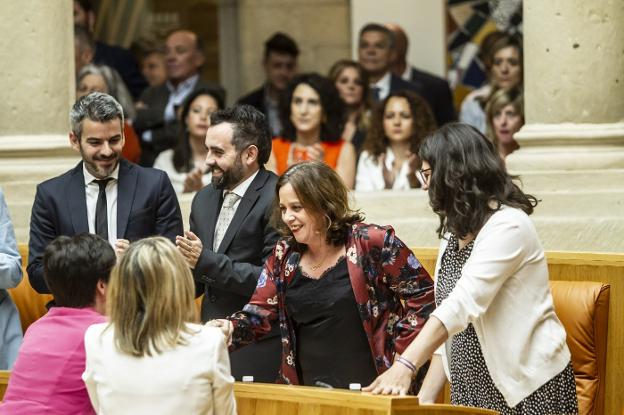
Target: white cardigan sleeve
(369,176)
(499,251)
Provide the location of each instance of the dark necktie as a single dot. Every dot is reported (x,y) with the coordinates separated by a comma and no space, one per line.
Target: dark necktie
(375,91)
(101,214)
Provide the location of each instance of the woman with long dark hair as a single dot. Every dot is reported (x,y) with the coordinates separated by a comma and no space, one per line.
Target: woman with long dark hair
(502,343)
(185,163)
(312,119)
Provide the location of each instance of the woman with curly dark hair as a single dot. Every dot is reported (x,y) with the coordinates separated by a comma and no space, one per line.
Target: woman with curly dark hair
(312,119)
(349,296)
(502,343)
(389,158)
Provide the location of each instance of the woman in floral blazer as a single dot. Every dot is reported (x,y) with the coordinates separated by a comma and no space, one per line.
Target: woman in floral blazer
(393,292)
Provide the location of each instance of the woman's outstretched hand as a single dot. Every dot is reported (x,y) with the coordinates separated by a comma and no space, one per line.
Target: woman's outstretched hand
(394,381)
(225,326)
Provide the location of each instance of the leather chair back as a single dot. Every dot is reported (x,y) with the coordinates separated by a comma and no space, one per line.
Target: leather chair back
(583,309)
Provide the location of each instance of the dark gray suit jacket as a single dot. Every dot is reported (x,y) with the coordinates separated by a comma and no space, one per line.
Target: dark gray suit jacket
(146,205)
(441,98)
(228,277)
(165,135)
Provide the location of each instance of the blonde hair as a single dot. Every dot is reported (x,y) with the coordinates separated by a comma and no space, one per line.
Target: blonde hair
(496,102)
(150,298)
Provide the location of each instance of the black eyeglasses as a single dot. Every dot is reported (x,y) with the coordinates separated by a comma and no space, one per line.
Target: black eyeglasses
(423,176)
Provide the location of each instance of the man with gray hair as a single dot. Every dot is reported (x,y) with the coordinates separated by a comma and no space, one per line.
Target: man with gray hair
(104,194)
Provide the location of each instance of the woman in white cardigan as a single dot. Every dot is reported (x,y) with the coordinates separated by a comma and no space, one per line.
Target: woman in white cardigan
(151,358)
(497,336)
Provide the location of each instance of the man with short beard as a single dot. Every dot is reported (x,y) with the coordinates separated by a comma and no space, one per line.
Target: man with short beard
(230,235)
(104,194)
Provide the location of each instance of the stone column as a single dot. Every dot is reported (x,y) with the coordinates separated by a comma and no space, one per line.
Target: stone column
(574,86)
(37,84)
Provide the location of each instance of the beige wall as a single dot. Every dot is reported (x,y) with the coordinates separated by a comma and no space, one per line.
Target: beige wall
(36,69)
(576,61)
(423,21)
(320,28)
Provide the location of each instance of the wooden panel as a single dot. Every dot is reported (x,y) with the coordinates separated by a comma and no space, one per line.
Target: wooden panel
(4,382)
(585,266)
(267,399)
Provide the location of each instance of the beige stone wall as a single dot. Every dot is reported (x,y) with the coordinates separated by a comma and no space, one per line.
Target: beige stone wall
(321,29)
(576,61)
(36,66)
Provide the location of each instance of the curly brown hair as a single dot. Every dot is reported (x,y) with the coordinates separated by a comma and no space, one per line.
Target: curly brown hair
(322,193)
(376,142)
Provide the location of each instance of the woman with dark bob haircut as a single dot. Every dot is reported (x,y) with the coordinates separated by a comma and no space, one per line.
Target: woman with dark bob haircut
(312,119)
(502,342)
(349,296)
(390,156)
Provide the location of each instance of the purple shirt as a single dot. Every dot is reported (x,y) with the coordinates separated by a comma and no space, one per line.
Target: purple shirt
(47,376)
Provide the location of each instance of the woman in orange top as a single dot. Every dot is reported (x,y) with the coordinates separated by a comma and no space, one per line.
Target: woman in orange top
(312,114)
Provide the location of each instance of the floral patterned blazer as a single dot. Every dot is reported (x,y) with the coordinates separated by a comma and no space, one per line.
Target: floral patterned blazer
(394,294)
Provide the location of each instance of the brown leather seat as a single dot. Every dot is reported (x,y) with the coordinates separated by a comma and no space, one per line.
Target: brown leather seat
(583,308)
(30,304)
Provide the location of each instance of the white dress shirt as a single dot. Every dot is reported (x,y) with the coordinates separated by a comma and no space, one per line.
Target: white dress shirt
(92,190)
(240,191)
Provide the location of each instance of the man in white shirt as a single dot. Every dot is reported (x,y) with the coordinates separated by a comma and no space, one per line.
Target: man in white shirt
(104,194)
(156,121)
(231,235)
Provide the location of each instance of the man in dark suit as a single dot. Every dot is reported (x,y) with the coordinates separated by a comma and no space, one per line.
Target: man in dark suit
(103,194)
(442,99)
(156,122)
(375,54)
(231,235)
(117,58)
(280,66)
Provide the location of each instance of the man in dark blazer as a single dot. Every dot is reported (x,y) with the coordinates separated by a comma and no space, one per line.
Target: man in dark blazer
(280,66)
(438,88)
(103,194)
(231,235)
(375,54)
(114,56)
(156,122)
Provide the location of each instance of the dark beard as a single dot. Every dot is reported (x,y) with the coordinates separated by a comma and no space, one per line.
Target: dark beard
(231,177)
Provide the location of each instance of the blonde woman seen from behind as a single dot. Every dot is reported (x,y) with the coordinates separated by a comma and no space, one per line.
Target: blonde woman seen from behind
(151,357)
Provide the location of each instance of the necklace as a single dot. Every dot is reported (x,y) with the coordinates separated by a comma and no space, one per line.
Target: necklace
(318,265)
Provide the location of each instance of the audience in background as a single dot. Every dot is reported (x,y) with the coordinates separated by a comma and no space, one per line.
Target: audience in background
(102,54)
(280,66)
(153,67)
(152,357)
(351,81)
(375,53)
(10,277)
(157,122)
(103,194)
(436,87)
(312,115)
(390,156)
(503,61)
(230,235)
(505,117)
(186,163)
(500,342)
(46,378)
(345,308)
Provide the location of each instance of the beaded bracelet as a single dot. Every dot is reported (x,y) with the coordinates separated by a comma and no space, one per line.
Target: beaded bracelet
(407,364)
